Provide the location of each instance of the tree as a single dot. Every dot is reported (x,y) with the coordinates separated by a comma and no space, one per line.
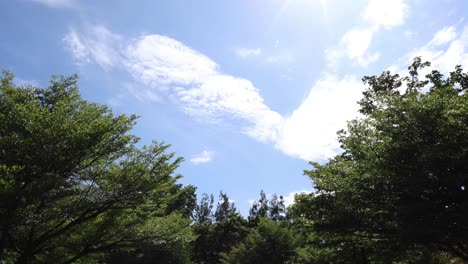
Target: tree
(74,186)
(269,242)
(225,208)
(203,211)
(401,180)
(259,208)
(273,209)
(214,238)
(277,209)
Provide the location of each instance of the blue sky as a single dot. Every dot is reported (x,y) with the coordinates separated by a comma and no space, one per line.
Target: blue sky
(246,91)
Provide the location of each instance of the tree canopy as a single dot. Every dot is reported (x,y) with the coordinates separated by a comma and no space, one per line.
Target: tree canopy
(401,180)
(73,183)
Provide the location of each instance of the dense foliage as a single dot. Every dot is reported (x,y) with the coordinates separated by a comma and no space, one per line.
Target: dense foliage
(72,183)
(400,183)
(75,188)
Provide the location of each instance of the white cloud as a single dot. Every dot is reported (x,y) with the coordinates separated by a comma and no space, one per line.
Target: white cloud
(100,45)
(310,132)
(165,65)
(196,82)
(386,13)
(77,47)
(445,50)
(443,36)
(203,157)
(246,53)
(223,94)
(355,43)
(169,68)
(156,60)
(55,3)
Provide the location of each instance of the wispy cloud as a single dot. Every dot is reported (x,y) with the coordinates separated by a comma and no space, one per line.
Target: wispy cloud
(354,45)
(100,46)
(356,42)
(268,57)
(203,157)
(447,48)
(77,47)
(157,60)
(167,67)
(193,79)
(246,53)
(277,59)
(223,95)
(443,36)
(56,3)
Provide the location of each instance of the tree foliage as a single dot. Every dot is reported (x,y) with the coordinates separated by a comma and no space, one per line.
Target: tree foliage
(273,208)
(277,209)
(400,182)
(225,208)
(269,242)
(216,237)
(202,213)
(73,185)
(260,207)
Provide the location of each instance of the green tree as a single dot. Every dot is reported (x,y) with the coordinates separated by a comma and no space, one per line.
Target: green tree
(269,242)
(259,209)
(273,208)
(202,213)
(73,185)
(228,230)
(276,208)
(225,208)
(401,180)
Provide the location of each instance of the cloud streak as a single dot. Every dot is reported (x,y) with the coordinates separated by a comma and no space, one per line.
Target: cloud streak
(56,3)
(167,67)
(100,46)
(203,157)
(159,60)
(246,53)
